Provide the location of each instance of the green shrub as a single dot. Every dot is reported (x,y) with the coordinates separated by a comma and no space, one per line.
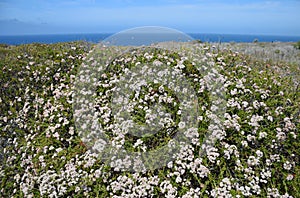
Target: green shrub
(277,51)
(297,45)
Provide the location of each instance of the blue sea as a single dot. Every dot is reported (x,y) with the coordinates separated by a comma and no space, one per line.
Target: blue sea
(96,38)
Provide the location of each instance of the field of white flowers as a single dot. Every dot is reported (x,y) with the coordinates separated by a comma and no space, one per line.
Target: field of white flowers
(255,151)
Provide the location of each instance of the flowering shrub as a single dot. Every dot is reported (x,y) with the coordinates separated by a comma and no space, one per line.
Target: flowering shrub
(297,45)
(273,55)
(256,152)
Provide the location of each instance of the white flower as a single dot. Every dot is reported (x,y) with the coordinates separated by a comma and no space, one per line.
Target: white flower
(71,130)
(58,150)
(244,143)
(259,153)
(77,189)
(178,179)
(287,165)
(233,92)
(265,174)
(99,145)
(41,158)
(255,119)
(137,143)
(181,125)
(200,118)
(252,161)
(256,104)
(281,136)
(245,104)
(56,135)
(262,135)
(212,153)
(157,63)
(290,177)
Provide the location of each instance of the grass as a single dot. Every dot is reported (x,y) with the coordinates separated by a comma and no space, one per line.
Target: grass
(255,155)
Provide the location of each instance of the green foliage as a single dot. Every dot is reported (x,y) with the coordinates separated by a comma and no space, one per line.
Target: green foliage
(277,51)
(297,45)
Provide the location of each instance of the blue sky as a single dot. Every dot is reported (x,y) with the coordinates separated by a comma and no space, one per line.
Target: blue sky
(110,16)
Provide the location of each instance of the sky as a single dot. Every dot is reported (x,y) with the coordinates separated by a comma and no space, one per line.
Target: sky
(276,17)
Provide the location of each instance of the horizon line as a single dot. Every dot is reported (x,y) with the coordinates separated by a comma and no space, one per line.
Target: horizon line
(112,33)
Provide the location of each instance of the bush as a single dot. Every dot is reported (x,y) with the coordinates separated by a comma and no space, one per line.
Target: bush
(297,45)
(256,153)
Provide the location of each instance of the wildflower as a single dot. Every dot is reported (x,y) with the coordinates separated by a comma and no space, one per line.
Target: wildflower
(181,125)
(287,165)
(289,177)
(262,135)
(259,153)
(253,161)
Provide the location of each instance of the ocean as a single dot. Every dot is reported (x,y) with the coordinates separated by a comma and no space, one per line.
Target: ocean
(96,38)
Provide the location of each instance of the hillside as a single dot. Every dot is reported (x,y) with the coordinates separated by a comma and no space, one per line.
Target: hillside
(245,101)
